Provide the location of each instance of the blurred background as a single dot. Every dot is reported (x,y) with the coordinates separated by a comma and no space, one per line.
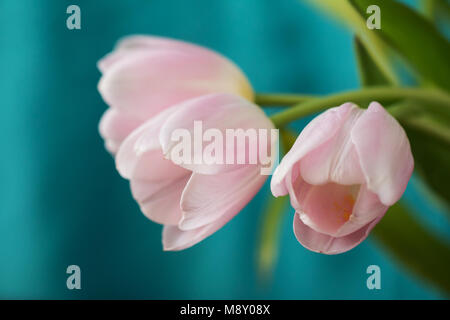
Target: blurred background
(62,201)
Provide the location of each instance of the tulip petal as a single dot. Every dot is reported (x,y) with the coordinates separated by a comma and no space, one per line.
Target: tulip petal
(384,152)
(320,130)
(174,238)
(142,42)
(326,208)
(115,126)
(322,243)
(140,155)
(333,209)
(160,200)
(105,63)
(367,208)
(145,82)
(155,42)
(217,112)
(209,197)
(336,160)
(112,146)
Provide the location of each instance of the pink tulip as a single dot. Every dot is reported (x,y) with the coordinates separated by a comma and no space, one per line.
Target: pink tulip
(192,200)
(145,75)
(343,172)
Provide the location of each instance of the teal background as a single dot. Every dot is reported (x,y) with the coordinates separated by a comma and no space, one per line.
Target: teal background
(63,203)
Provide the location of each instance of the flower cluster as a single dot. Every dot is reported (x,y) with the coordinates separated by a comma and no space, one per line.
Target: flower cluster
(344,171)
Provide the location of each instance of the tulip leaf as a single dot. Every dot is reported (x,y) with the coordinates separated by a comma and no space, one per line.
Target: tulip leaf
(416,39)
(428,8)
(435,8)
(377,48)
(429,136)
(407,240)
(287,139)
(369,73)
(431,155)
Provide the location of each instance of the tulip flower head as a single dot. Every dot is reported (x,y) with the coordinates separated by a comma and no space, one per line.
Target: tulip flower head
(145,75)
(344,171)
(192,199)
(158,89)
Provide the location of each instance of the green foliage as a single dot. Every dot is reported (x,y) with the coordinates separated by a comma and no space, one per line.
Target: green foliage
(414,37)
(434,9)
(272,217)
(424,115)
(369,72)
(270,234)
(431,155)
(405,238)
(432,159)
(402,236)
(347,14)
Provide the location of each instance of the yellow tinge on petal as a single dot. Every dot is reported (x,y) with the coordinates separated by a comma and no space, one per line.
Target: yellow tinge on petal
(344,208)
(245,89)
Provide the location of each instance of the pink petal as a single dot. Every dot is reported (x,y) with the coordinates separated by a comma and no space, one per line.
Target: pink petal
(140,155)
(142,42)
(115,126)
(112,146)
(326,208)
(174,239)
(220,112)
(202,216)
(368,207)
(327,244)
(336,160)
(320,130)
(335,210)
(160,200)
(105,63)
(155,42)
(384,152)
(144,82)
(209,197)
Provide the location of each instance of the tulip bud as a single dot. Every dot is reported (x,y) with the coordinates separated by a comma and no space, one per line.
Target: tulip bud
(344,171)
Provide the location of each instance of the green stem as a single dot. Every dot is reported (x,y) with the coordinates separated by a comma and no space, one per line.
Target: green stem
(270,235)
(281,100)
(432,96)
